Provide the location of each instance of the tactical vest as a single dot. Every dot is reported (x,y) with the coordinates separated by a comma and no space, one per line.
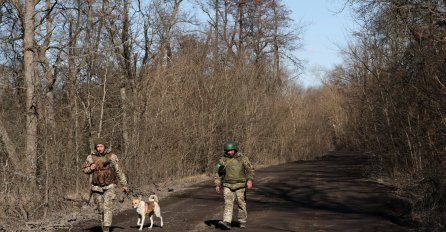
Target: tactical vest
(104,174)
(234,171)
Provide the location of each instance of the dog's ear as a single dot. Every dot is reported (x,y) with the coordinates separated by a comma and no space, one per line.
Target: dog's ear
(139,197)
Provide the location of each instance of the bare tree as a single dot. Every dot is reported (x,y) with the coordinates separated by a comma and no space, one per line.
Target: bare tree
(31,94)
(141,74)
(391,82)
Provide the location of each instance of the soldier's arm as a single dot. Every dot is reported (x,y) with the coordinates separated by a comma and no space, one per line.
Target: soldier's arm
(119,172)
(217,177)
(86,167)
(249,169)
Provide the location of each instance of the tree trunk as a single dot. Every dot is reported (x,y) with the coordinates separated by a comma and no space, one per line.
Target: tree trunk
(72,96)
(276,68)
(216,32)
(50,72)
(127,77)
(31,96)
(240,30)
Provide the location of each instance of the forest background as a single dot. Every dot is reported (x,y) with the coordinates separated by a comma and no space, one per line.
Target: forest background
(166,90)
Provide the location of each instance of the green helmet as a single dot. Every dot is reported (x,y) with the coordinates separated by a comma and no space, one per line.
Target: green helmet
(230,145)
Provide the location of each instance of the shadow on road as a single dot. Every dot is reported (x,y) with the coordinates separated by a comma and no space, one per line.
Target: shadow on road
(327,194)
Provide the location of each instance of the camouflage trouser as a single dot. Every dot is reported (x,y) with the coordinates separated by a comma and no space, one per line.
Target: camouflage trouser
(104,202)
(230,197)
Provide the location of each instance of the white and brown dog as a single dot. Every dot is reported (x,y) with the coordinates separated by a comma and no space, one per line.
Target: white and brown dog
(142,208)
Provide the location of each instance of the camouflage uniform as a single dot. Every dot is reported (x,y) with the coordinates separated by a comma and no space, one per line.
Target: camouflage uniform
(238,170)
(103,188)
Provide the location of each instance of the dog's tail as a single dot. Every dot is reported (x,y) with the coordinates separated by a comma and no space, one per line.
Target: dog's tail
(153,198)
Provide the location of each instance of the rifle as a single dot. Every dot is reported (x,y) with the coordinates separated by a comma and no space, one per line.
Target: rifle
(106,163)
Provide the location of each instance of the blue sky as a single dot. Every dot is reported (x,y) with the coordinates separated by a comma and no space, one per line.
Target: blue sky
(324,33)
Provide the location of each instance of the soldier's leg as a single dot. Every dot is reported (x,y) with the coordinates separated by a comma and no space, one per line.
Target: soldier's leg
(109,197)
(229,204)
(242,213)
(99,201)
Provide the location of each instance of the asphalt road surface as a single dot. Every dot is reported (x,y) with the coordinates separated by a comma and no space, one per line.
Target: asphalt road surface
(328,194)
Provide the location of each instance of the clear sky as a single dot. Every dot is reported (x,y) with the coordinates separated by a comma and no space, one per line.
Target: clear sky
(324,33)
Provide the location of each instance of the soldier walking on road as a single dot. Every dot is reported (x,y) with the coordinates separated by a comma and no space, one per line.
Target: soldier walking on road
(235,173)
(105,170)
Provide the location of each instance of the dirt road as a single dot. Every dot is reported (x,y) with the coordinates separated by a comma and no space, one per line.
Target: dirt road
(329,194)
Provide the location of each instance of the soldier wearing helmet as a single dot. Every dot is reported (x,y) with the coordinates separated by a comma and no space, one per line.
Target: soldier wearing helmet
(234,173)
(103,165)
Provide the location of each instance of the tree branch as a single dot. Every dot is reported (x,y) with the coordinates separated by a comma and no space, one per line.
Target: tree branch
(10,148)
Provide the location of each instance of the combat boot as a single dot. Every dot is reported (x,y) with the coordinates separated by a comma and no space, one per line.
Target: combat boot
(224,225)
(242,226)
(105,229)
